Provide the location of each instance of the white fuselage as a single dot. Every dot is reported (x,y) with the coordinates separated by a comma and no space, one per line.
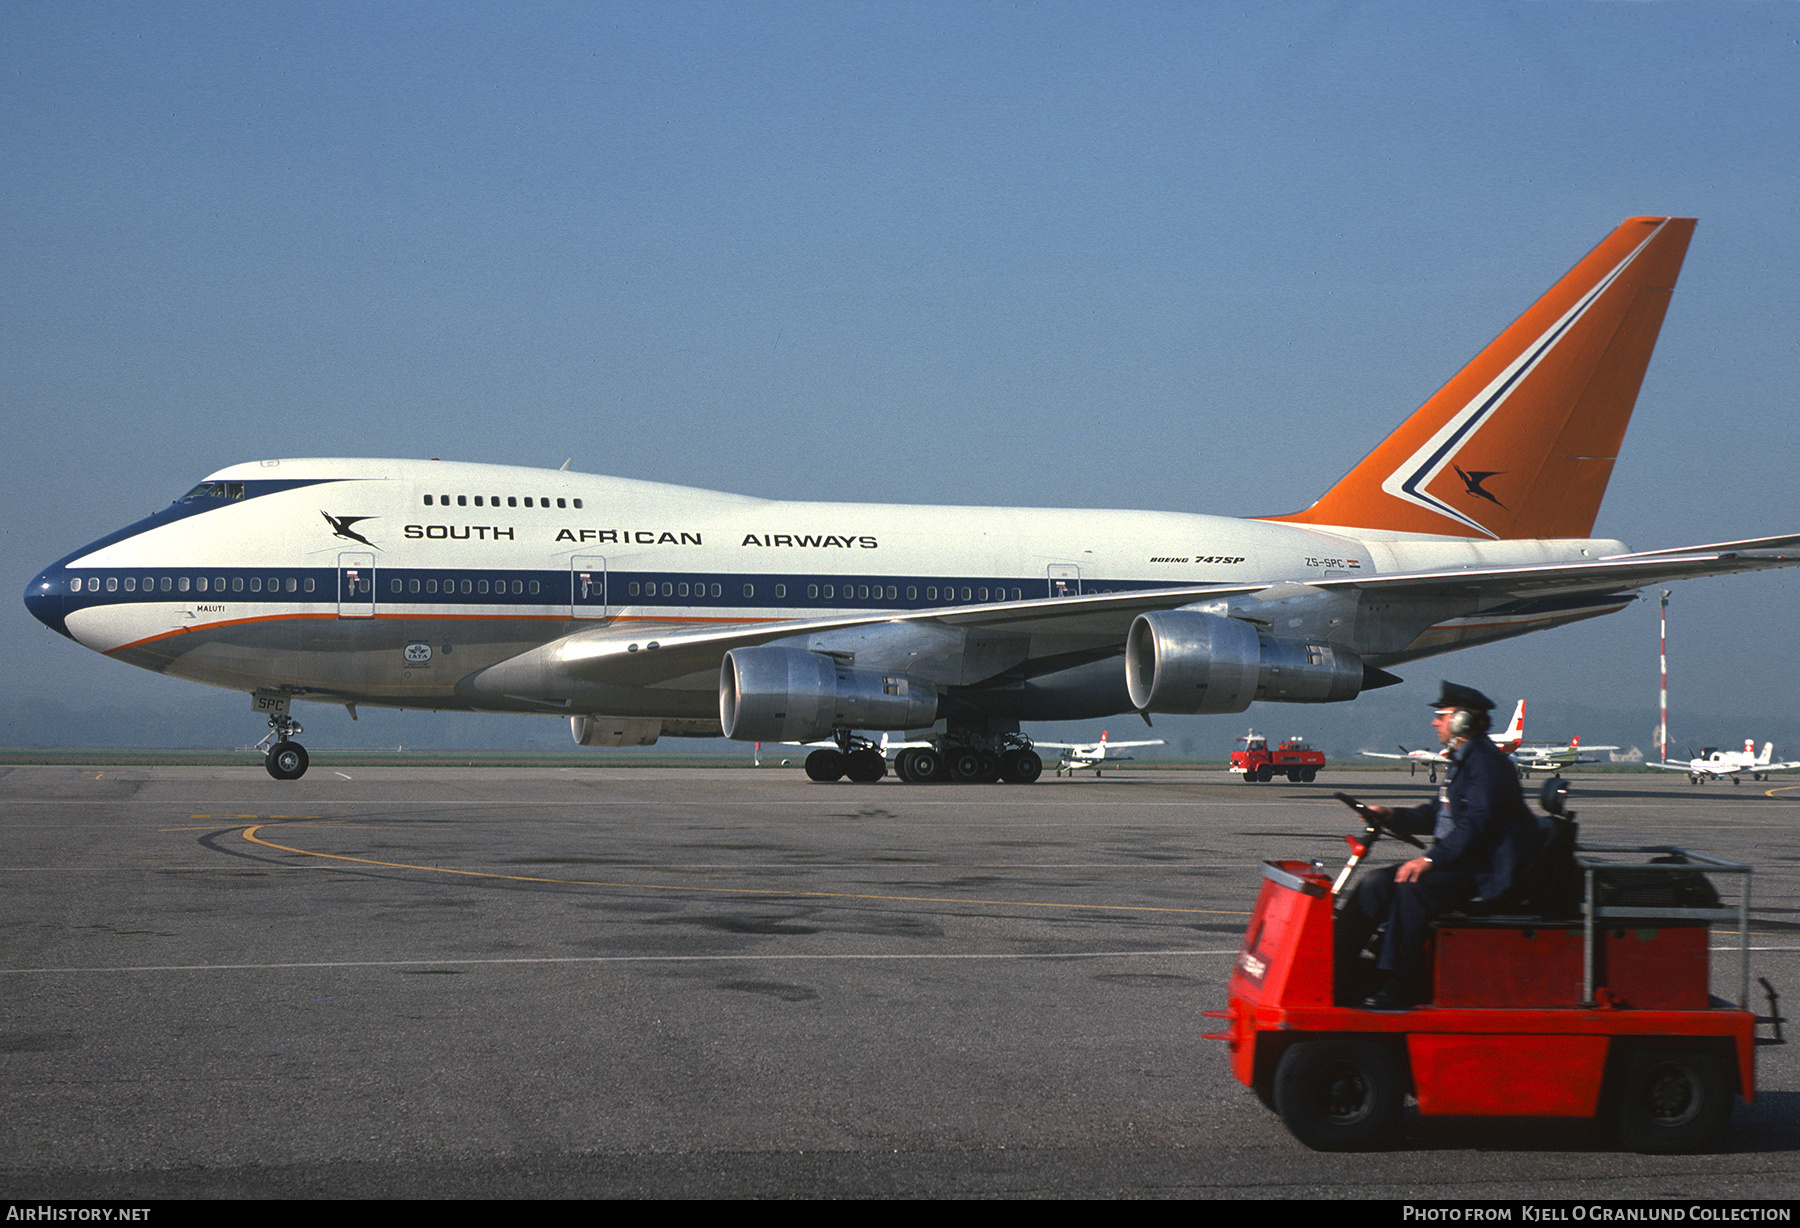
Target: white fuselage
(388,582)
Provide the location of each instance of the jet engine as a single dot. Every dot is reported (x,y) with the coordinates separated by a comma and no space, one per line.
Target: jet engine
(1183,661)
(789,695)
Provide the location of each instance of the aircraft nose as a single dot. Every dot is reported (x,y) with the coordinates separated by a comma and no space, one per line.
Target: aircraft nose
(47,599)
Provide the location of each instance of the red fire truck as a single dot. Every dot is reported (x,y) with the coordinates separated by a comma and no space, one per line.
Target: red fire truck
(1607,1013)
(1258,764)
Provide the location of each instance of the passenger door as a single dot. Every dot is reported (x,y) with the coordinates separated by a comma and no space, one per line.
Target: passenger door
(587,586)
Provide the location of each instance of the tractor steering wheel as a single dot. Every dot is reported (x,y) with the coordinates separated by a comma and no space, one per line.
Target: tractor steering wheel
(1378,823)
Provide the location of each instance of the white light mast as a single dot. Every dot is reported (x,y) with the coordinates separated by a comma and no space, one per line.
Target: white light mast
(1662,729)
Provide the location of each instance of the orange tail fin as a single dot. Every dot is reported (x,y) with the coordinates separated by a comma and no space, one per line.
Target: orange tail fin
(1522,441)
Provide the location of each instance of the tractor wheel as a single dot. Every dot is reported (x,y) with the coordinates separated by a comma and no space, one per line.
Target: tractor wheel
(1341,1094)
(1672,1101)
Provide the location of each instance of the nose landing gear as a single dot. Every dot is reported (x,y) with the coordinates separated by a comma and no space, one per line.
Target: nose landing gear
(284,758)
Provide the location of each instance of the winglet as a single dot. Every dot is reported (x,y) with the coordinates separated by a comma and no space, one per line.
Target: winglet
(1521,443)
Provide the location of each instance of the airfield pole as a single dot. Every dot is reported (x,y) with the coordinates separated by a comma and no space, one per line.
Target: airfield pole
(1662,729)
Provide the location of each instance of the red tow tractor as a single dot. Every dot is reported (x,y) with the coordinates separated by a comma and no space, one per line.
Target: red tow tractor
(1294,758)
(1603,1013)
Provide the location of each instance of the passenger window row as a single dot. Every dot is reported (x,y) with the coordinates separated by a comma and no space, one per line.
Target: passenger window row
(497,587)
(195,584)
(873,592)
(681,588)
(947,594)
(494,501)
(829,592)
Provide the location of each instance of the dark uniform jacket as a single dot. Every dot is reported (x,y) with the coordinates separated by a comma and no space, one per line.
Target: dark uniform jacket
(1490,833)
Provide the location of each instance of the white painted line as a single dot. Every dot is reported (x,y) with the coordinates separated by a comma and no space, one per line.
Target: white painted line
(610,959)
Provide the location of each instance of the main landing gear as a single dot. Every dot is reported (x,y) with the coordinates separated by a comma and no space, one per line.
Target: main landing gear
(858,758)
(958,757)
(284,758)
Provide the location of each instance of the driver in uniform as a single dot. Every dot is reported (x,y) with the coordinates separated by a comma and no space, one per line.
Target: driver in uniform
(1483,836)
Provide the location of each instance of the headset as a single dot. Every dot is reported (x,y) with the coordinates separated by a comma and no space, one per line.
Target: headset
(1466,724)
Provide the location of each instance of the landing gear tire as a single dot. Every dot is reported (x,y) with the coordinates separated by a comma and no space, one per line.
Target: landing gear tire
(927,767)
(865,767)
(825,766)
(965,766)
(1672,1101)
(286,761)
(1021,767)
(1341,1094)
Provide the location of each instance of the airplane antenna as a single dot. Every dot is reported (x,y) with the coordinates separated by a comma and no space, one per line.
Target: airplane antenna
(562,468)
(1662,730)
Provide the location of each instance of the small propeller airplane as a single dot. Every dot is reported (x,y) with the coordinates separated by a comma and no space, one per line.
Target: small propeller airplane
(1432,760)
(1711,764)
(1078,755)
(1553,756)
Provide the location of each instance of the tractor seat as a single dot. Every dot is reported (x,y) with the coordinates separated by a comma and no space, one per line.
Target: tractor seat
(1547,887)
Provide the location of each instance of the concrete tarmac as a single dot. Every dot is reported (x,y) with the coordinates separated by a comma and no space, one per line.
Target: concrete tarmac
(603,982)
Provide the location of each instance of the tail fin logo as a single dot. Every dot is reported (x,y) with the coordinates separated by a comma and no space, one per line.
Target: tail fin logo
(1472,482)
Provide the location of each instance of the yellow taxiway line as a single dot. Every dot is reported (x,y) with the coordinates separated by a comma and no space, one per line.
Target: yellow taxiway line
(251,834)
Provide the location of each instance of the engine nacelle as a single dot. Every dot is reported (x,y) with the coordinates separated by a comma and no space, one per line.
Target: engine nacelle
(1183,661)
(789,695)
(615,730)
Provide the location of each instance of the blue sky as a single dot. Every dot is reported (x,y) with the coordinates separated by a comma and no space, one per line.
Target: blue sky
(1189,257)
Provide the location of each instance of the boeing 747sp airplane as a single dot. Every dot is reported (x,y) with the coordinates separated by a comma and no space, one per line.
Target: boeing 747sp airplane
(635,609)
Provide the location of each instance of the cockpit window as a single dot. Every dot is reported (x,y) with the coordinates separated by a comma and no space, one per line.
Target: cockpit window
(214,490)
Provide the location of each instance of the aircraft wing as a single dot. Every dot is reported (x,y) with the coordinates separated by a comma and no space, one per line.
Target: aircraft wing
(650,654)
(1619,573)
(643,654)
